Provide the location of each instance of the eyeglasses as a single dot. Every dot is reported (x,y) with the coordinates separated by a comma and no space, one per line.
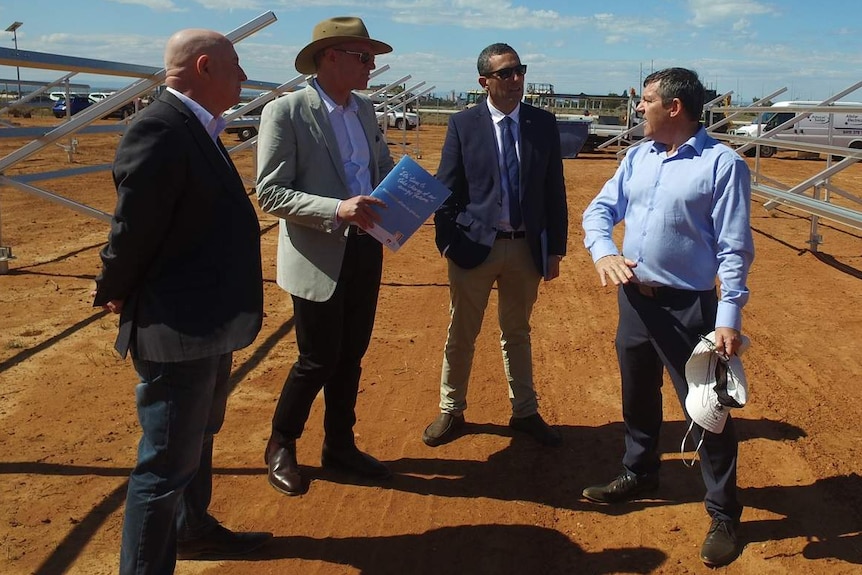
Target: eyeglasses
(506,73)
(364,57)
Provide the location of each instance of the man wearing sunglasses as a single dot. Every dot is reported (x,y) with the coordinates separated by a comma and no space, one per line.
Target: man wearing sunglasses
(505,224)
(320,155)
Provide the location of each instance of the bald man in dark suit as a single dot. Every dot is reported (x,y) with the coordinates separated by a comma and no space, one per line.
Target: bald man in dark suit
(182,268)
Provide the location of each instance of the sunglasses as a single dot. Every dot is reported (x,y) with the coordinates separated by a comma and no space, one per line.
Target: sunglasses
(364,57)
(506,73)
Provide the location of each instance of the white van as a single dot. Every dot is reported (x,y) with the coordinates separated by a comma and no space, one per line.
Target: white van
(839,128)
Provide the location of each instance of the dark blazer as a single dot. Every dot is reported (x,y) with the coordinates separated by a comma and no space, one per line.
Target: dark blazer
(466,224)
(184,247)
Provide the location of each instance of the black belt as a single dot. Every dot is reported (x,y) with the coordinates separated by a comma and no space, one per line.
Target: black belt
(356,231)
(658,292)
(511,235)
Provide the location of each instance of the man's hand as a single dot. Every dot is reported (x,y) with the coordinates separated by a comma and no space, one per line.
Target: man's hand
(727,341)
(357,210)
(616,269)
(113,306)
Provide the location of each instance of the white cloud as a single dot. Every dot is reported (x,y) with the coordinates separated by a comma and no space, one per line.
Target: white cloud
(130,48)
(227,5)
(623,29)
(742,25)
(707,13)
(157,5)
(471,14)
(296,5)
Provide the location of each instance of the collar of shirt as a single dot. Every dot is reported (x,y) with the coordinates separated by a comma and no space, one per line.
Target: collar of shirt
(330,104)
(696,144)
(211,124)
(497,115)
(352,142)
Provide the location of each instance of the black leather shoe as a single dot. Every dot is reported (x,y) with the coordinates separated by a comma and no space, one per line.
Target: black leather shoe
(625,487)
(720,546)
(536,427)
(284,473)
(354,461)
(444,429)
(221,542)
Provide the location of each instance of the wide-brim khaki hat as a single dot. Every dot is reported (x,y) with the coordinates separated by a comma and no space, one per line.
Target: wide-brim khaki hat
(332,32)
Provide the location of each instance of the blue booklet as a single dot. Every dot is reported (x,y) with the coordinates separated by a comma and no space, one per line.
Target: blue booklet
(411,195)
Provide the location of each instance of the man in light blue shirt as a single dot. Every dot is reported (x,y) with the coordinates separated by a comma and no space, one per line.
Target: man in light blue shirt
(685,200)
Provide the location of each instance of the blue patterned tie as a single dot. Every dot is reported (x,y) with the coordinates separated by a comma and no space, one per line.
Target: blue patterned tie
(510,158)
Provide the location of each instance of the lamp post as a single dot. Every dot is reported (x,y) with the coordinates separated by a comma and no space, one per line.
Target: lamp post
(13,27)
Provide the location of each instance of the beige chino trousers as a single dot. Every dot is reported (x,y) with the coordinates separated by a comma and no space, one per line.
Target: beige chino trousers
(511,267)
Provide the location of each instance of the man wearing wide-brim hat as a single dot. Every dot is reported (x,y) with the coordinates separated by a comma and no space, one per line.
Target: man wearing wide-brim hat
(320,155)
(331,33)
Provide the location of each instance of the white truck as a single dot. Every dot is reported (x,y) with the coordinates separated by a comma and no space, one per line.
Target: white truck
(840,128)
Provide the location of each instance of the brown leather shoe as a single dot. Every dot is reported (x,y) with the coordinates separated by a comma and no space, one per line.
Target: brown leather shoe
(354,461)
(284,473)
(443,429)
(536,427)
(221,542)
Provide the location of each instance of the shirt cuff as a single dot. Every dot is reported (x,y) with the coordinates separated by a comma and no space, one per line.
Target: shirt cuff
(728,315)
(603,249)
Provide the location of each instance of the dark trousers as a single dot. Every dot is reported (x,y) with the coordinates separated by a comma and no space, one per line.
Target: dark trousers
(181,406)
(332,338)
(661,331)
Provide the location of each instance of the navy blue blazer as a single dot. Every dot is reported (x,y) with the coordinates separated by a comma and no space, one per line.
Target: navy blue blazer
(184,248)
(466,224)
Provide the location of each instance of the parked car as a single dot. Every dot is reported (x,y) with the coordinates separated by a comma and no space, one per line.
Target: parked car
(121,113)
(752,131)
(245,126)
(61,95)
(78,103)
(99,96)
(396,119)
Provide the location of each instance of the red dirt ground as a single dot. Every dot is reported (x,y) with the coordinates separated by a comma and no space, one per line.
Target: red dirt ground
(488,503)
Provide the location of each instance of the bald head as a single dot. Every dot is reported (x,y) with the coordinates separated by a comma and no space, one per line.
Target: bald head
(203,65)
(183,50)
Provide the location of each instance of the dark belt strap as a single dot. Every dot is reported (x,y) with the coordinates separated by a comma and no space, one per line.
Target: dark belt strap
(659,292)
(511,235)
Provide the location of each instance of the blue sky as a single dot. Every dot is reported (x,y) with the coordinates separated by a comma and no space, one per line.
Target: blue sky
(751,47)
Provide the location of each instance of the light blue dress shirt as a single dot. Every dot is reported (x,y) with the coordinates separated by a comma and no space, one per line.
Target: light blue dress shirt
(687,219)
(352,142)
(497,117)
